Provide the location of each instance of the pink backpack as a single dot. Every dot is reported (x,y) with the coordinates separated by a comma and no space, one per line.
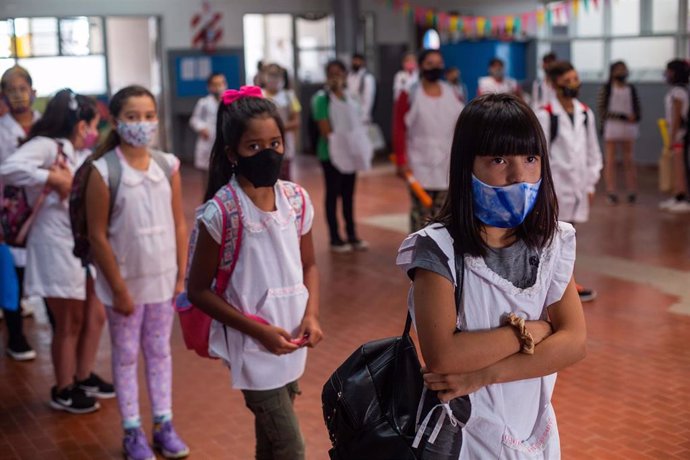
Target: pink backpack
(195,324)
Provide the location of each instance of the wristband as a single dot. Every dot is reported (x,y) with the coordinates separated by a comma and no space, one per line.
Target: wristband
(526,339)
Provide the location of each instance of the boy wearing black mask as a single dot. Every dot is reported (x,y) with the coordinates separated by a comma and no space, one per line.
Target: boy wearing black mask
(423,125)
(575,155)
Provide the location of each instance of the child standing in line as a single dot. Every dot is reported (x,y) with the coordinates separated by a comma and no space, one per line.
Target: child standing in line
(493,296)
(139,250)
(570,130)
(619,114)
(676,104)
(289,109)
(203,120)
(17,90)
(44,166)
(338,115)
(269,310)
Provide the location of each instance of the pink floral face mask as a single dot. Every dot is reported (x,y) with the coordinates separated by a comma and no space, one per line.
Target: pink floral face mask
(138,133)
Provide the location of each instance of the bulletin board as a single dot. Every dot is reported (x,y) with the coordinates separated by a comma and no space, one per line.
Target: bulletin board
(192,68)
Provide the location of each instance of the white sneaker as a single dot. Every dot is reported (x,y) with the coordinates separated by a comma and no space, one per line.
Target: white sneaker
(666,204)
(680,207)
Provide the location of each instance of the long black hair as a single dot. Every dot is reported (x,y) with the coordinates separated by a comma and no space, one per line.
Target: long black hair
(117,102)
(680,72)
(62,114)
(231,124)
(612,67)
(496,125)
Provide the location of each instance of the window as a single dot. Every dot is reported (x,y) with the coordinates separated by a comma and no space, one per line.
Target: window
(6,35)
(644,56)
(588,58)
(664,16)
(85,75)
(590,23)
(315,45)
(80,36)
(625,17)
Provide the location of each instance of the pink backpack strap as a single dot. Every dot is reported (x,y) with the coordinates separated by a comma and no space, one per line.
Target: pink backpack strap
(295,195)
(228,202)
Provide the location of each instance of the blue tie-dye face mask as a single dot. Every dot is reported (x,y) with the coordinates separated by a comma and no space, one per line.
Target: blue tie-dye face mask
(503,207)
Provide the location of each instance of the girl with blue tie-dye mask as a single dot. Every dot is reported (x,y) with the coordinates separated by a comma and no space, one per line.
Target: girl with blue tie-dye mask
(493,298)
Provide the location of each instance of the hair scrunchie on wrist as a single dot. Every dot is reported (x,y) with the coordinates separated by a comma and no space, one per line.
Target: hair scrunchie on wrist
(526,339)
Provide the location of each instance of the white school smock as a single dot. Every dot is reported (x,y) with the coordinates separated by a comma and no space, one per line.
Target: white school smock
(361,85)
(513,420)
(621,102)
(430,125)
(11,134)
(267,282)
(575,158)
(680,93)
(542,94)
(142,232)
(204,117)
(349,146)
(51,268)
(489,85)
(403,81)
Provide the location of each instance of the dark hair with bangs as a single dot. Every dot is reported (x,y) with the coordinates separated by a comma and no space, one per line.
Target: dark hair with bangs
(231,124)
(501,125)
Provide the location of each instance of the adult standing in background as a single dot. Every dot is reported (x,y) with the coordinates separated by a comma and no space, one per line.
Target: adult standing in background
(423,125)
(454,79)
(361,85)
(409,75)
(542,90)
(619,117)
(497,82)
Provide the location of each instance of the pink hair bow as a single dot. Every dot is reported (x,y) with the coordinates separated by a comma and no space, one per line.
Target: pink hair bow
(233,95)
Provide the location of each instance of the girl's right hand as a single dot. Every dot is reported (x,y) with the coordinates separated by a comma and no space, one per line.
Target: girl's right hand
(60,180)
(123,303)
(277,340)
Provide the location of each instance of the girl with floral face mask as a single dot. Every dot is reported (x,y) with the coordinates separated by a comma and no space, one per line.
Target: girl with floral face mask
(139,250)
(493,299)
(43,166)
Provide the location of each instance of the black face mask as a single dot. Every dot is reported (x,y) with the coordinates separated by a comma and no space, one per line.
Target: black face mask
(262,169)
(567,91)
(356,67)
(433,75)
(621,78)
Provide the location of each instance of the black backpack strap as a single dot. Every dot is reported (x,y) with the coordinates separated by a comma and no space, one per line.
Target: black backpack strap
(553,127)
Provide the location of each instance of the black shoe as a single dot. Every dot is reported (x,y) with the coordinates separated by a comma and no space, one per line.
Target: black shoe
(20,350)
(612,199)
(96,387)
(586,295)
(73,400)
(632,198)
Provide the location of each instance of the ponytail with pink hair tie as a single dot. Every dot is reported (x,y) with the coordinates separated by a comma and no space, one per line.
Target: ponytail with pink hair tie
(233,95)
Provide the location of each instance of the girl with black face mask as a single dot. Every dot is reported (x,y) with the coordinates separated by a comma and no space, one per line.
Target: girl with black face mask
(619,117)
(423,122)
(253,269)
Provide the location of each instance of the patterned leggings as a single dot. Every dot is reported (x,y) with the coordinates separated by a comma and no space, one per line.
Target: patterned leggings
(148,327)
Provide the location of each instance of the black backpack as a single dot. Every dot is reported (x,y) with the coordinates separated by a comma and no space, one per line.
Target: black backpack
(553,121)
(371,402)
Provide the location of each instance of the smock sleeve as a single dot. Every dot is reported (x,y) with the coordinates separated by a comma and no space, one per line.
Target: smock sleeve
(308,213)
(564,264)
(421,251)
(212,219)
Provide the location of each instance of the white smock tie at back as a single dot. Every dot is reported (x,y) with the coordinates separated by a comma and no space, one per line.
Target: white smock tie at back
(447,412)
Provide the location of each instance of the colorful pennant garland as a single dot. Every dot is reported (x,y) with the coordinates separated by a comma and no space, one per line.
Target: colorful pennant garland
(510,25)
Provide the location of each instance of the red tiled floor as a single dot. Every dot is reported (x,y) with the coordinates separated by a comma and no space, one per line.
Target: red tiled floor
(629,399)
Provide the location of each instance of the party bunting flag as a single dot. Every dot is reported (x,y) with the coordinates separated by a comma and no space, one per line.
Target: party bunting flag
(510,24)
(481,25)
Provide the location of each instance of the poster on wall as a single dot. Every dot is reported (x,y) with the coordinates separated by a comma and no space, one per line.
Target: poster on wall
(192,71)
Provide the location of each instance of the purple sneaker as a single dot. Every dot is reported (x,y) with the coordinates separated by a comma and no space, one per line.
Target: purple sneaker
(167,442)
(135,445)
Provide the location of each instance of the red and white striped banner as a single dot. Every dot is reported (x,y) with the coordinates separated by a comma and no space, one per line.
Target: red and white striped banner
(207,30)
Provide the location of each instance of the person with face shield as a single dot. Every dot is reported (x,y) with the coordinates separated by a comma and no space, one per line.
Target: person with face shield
(289,108)
(497,82)
(203,120)
(423,122)
(18,96)
(576,163)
